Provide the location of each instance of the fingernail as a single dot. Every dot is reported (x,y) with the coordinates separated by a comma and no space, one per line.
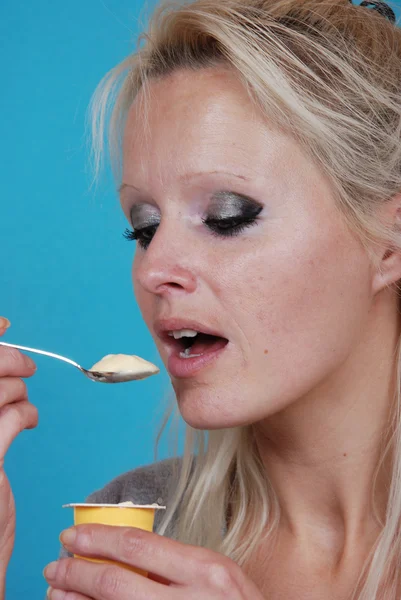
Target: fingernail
(67,537)
(58,595)
(50,570)
(4,323)
(49,593)
(30,363)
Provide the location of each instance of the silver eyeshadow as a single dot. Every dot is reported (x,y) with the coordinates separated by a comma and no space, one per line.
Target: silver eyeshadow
(223,205)
(144,215)
(230,205)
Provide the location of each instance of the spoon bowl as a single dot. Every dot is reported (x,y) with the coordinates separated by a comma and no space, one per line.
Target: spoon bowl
(146,370)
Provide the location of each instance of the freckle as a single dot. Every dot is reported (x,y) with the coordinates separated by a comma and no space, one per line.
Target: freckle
(345,454)
(266,352)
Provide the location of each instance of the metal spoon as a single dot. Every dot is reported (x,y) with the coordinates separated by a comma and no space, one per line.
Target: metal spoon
(101,377)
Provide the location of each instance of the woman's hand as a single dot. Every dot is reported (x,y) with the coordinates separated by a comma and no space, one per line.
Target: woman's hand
(16,414)
(176,571)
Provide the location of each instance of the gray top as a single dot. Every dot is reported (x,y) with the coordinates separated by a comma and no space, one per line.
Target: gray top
(144,485)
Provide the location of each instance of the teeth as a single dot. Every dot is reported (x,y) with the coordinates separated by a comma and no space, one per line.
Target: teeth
(188,333)
(186,354)
(177,335)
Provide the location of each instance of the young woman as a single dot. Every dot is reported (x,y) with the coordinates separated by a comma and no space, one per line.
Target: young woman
(261,177)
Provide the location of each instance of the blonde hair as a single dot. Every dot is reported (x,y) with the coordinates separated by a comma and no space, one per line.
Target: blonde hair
(328,73)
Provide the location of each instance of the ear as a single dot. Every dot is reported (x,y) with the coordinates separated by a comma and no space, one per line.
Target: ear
(388,268)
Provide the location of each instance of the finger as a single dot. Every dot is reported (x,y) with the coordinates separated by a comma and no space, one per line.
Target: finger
(103,581)
(52,595)
(14,418)
(12,389)
(145,550)
(4,325)
(15,364)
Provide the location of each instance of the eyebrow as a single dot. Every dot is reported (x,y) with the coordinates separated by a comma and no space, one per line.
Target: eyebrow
(123,186)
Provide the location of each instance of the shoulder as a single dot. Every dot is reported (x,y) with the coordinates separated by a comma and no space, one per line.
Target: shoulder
(143,485)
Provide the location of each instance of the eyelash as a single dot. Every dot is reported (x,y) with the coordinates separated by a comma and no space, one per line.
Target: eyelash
(236,226)
(137,234)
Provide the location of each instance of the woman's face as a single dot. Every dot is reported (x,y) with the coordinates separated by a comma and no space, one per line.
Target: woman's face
(241,238)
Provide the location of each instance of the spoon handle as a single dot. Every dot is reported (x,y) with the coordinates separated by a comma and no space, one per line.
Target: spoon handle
(41,352)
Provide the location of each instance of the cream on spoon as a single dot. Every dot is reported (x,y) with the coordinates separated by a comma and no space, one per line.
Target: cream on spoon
(113,368)
(124,367)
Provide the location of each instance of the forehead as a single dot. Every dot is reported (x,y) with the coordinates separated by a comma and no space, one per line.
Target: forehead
(189,116)
(196,98)
(205,121)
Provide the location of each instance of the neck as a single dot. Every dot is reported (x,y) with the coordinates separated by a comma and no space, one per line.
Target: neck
(322,452)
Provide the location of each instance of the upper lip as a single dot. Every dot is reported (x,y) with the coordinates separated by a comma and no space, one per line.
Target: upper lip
(164,326)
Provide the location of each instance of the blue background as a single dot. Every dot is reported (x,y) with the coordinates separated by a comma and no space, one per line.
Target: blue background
(55,234)
(65,275)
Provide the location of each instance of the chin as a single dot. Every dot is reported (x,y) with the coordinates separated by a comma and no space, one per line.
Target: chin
(207,406)
(209,411)
(202,423)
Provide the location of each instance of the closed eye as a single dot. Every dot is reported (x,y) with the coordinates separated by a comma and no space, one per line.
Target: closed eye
(230,226)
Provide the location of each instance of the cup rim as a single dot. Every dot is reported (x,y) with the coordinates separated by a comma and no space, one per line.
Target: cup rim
(90,505)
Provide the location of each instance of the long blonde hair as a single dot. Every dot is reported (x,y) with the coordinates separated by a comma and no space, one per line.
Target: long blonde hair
(328,73)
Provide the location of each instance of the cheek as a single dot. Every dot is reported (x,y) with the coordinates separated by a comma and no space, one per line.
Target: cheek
(282,293)
(310,294)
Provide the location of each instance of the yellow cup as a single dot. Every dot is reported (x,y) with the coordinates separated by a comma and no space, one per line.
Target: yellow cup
(141,516)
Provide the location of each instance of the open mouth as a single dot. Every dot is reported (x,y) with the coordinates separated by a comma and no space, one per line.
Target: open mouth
(193,344)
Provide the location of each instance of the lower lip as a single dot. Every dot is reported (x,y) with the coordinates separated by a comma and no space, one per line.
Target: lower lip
(183,368)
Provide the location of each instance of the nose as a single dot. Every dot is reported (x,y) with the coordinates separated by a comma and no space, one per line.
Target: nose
(166,266)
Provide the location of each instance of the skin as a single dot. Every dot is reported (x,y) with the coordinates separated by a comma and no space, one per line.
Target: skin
(312,329)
